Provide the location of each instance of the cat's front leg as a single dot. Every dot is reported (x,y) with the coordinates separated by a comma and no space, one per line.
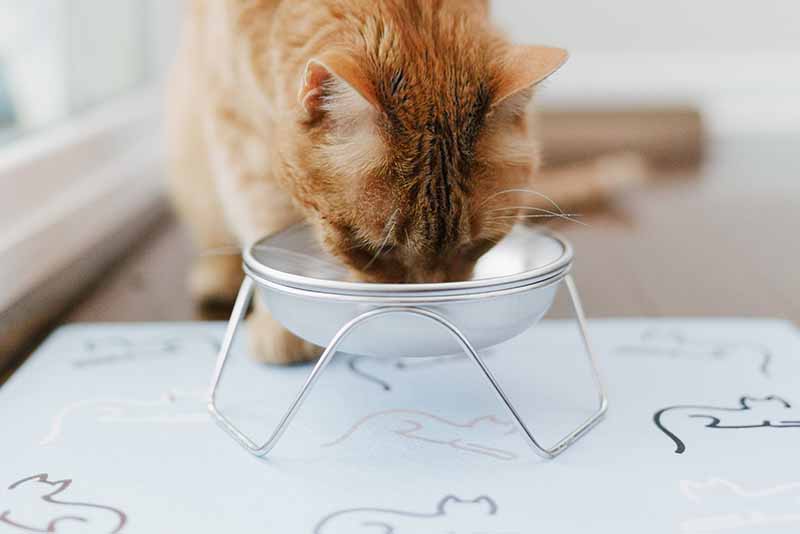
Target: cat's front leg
(255,205)
(272,343)
(214,280)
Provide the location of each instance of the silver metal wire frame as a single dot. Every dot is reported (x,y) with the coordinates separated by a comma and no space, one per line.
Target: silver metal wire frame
(240,308)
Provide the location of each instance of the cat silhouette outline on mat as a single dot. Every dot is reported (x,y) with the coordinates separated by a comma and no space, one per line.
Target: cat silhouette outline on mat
(476,435)
(452,515)
(36,504)
(171,407)
(382,372)
(770,412)
(677,345)
(725,506)
(109,350)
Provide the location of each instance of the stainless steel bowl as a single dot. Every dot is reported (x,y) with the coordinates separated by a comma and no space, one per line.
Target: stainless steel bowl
(310,293)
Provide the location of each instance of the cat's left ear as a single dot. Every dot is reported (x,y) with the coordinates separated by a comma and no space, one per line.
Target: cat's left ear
(523,68)
(335,80)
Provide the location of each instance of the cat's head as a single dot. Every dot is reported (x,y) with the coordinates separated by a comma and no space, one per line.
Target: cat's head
(418,142)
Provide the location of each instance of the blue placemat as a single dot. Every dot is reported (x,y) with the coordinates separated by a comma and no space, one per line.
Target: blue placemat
(104,430)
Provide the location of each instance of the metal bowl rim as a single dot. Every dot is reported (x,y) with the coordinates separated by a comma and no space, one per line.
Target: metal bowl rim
(400,300)
(261,272)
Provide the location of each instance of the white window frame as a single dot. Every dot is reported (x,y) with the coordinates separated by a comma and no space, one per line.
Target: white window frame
(76,194)
(75,197)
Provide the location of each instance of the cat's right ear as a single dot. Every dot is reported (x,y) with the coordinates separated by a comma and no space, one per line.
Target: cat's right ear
(524,67)
(335,82)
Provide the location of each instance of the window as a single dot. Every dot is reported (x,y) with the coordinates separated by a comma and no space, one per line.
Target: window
(59,58)
(79,124)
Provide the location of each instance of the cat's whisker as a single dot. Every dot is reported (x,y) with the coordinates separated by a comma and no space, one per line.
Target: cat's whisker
(545,213)
(527,208)
(413,245)
(494,222)
(355,246)
(391,224)
(539,215)
(565,216)
(527,211)
(528,191)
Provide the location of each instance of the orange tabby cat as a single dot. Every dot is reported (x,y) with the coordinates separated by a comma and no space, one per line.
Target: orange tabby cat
(399,128)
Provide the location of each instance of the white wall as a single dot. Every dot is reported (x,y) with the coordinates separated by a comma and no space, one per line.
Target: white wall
(656,26)
(63,56)
(163,29)
(32,35)
(105,50)
(739,60)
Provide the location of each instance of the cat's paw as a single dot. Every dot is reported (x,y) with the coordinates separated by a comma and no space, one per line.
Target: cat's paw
(215,280)
(271,343)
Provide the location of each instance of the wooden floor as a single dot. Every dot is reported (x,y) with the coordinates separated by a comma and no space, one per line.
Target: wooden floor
(721,240)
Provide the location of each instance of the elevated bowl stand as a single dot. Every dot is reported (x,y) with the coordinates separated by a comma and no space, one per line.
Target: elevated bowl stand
(240,308)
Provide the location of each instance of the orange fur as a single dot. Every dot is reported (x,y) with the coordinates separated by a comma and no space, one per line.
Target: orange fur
(398,128)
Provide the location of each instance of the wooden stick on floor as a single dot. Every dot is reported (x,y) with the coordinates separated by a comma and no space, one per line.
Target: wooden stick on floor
(589,183)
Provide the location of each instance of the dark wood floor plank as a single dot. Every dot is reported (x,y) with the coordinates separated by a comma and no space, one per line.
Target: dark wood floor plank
(148,286)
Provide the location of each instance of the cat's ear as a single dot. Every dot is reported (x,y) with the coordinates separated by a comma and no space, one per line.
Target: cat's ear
(335,81)
(523,68)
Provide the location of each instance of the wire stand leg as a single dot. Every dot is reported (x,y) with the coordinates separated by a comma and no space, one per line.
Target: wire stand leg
(565,442)
(243,299)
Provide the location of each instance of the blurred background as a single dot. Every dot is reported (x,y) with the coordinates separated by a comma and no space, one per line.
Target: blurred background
(58,59)
(736,60)
(708,91)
